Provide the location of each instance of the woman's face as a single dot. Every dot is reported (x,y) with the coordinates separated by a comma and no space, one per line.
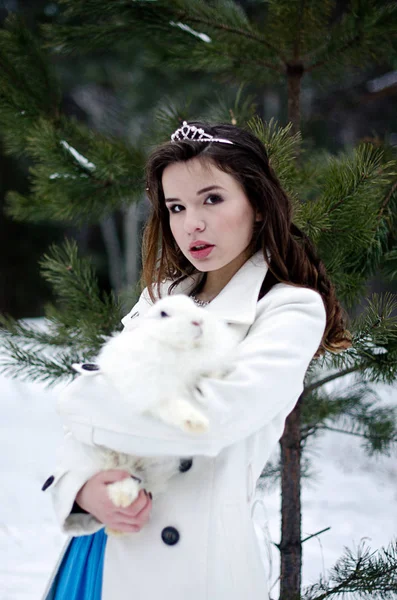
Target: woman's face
(208,206)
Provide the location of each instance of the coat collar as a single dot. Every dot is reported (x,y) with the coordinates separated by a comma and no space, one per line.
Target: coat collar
(236,303)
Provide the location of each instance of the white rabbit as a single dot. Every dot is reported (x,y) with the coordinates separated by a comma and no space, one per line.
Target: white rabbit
(155,367)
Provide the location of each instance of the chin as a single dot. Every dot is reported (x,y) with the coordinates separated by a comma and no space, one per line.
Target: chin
(207,267)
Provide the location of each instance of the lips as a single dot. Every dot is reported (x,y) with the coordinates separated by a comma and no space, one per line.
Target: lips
(196,245)
(201,252)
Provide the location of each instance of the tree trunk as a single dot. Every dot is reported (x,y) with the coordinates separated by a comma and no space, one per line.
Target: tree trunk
(290,545)
(291,510)
(294,77)
(113,251)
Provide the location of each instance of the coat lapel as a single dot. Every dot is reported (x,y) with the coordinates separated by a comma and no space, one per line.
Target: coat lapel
(236,303)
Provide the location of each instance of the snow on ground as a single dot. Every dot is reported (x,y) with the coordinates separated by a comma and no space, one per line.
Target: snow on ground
(354,495)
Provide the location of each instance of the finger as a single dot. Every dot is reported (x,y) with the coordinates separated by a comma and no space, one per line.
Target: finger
(126,515)
(144,515)
(139,521)
(135,508)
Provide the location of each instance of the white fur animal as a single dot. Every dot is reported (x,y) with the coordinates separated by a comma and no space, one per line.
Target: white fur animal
(155,367)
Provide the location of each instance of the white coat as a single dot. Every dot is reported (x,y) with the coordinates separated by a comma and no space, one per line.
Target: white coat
(217,555)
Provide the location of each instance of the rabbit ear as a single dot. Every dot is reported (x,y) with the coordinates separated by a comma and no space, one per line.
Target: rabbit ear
(86,369)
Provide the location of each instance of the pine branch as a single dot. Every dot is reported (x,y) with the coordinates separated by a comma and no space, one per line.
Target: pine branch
(78,175)
(377,323)
(320,382)
(31,337)
(146,21)
(238,108)
(309,537)
(373,363)
(28,88)
(77,326)
(362,436)
(271,473)
(78,295)
(356,411)
(194,35)
(345,222)
(298,26)
(239,32)
(365,165)
(387,200)
(363,35)
(228,60)
(373,353)
(389,267)
(34,365)
(361,574)
(282,148)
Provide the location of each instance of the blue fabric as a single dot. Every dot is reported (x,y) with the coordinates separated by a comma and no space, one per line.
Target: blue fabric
(79,576)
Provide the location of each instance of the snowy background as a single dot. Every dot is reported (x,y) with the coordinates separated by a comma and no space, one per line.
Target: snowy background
(354,495)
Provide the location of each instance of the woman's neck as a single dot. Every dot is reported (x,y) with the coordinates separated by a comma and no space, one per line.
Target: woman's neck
(216,280)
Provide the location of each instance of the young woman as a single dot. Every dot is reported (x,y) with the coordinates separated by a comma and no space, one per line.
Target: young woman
(221,232)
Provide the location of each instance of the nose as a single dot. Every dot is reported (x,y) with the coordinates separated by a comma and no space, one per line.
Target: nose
(193,222)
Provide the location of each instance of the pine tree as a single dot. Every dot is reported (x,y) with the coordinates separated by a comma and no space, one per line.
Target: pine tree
(346,204)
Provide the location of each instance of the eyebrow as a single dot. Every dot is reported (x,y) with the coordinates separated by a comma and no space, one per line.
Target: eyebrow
(206,189)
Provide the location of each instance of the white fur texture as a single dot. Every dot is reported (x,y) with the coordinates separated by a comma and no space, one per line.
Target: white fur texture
(149,473)
(155,367)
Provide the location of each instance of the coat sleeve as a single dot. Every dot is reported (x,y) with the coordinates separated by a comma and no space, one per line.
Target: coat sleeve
(264,384)
(77,462)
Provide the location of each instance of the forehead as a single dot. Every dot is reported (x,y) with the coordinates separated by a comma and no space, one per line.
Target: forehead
(193,175)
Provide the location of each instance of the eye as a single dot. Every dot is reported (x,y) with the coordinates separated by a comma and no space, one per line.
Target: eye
(215,197)
(174,207)
(164,314)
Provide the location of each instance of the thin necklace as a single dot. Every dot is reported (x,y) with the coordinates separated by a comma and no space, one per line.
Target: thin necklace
(199,302)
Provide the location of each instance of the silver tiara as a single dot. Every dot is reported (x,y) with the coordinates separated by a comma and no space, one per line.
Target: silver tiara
(195,134)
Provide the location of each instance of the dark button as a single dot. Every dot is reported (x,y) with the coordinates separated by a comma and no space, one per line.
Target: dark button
(185,464)
(47,483)
(170,536)
(90,367)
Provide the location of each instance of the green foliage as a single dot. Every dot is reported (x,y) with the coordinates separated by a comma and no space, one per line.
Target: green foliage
(346,204)
(34,364)
(359,575)
(356,411)
(389,266)
(237,110)
(86,312)
(215,36)
(218,36)
(76,326)
(271,474)
(298,26)
(374,346)
(351,220)
(282,148)
(78,175)
(28,88)
(167,119)
(364,34)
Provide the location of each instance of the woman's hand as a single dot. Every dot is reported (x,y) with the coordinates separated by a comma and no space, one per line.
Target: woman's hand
(93,498)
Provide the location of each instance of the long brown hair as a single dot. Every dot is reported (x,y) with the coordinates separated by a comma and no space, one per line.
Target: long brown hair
(293,259)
